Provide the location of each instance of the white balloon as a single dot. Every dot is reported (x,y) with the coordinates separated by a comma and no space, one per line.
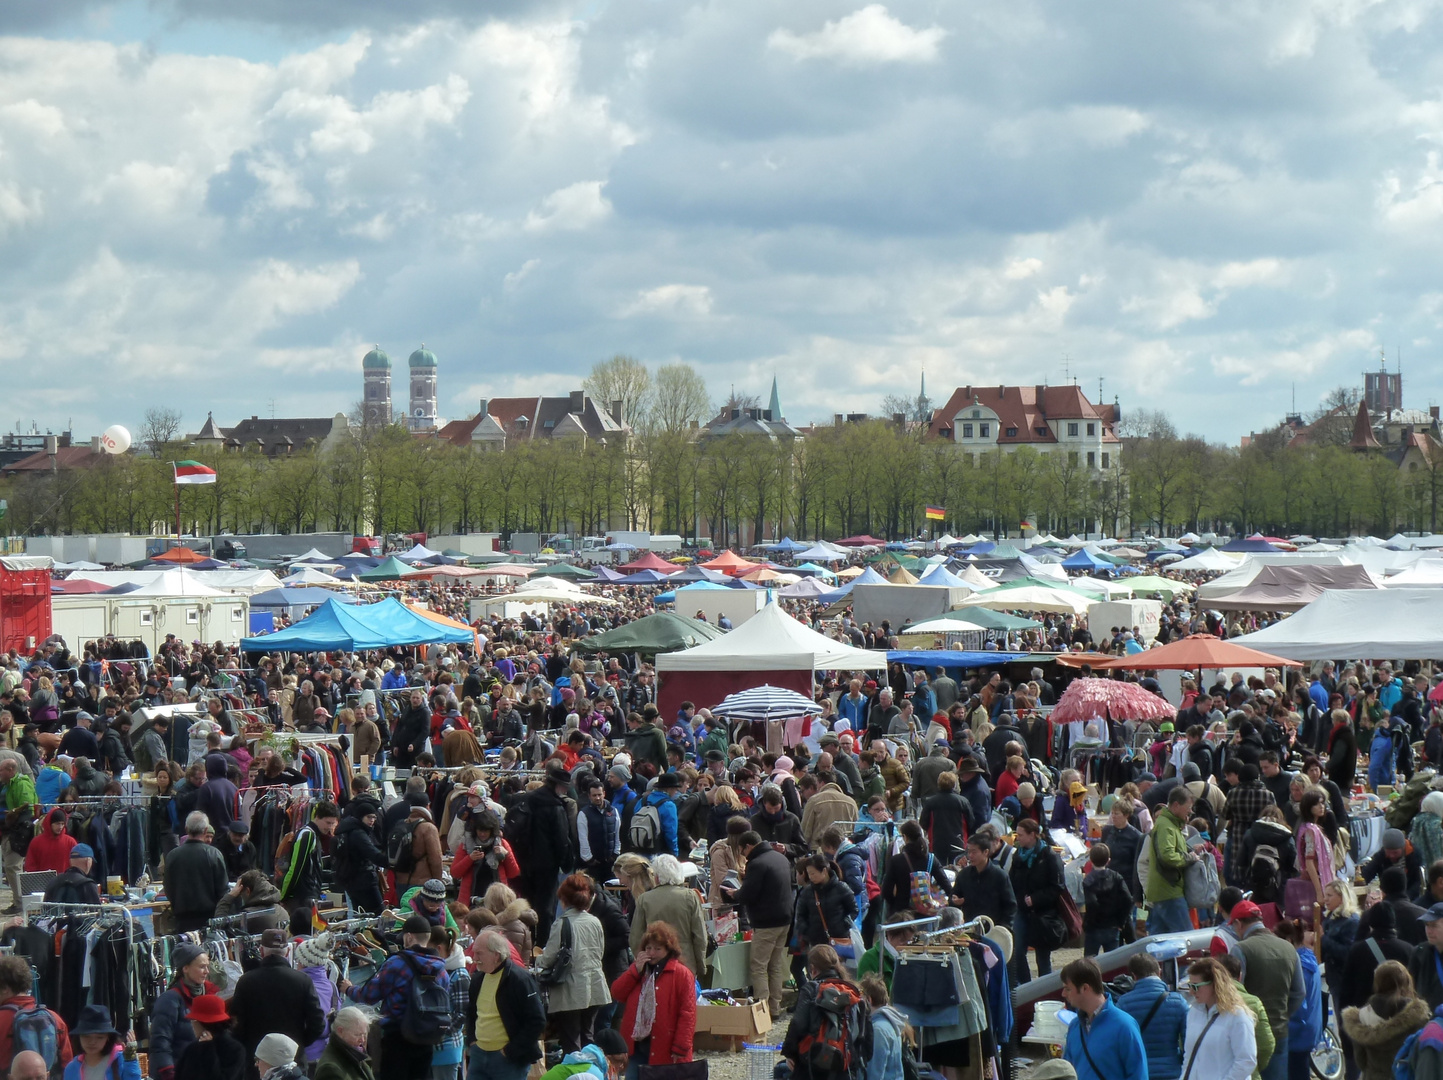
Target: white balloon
(115,440)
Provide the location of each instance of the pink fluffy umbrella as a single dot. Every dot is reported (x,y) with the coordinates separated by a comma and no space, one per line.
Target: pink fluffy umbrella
(1099,699)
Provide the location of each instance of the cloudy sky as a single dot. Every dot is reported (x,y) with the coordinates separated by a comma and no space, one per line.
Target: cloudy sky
(1202,204)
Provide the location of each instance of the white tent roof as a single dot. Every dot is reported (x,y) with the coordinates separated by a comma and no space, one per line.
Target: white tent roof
(771,640)
(551,585)
(1061,601)
(1345,624)
(945,540)
(417,553)
(1103,590)
(314,555)
(80,565)
(237,582)
(177,583)
(1427,574)
(309,575)
(1211,559)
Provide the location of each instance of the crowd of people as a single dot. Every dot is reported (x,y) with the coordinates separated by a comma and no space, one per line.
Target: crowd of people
(536,773)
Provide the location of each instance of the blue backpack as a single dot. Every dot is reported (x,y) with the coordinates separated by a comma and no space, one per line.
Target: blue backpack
(1405,1064)
(34,1029)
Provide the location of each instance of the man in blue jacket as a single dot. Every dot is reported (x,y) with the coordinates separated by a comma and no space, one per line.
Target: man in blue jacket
(1103,1043)
(662,797)
(1161,1016)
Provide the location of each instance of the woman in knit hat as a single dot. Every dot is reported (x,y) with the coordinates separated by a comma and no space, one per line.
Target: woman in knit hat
(170,1032)
(313,956)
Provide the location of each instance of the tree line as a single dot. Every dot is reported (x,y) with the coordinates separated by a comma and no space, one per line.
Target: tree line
(873,476)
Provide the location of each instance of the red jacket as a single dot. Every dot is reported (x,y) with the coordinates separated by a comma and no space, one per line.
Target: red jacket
(675,1025)
(1007,784)
(48,851)
(462,865)
(24,1003)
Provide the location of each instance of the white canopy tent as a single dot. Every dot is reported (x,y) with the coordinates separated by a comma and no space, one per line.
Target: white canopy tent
(1424,574)
(1356,624)
(1209,560)
(772,641)
(237,582)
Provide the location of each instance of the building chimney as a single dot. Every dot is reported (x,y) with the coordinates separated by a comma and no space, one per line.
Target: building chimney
(578,401)
(1001,390)
(483,411)
(616,413)
(736,414)
(1433,412)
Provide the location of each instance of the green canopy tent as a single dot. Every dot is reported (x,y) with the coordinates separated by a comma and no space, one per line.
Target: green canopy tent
(652,634)
(393,569)
(980,618)
(1152,585)
(566,570)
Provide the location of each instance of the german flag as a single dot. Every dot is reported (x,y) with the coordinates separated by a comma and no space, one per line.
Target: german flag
(936,513)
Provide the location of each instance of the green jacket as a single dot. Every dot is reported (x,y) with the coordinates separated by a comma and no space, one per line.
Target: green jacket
(716,740)
(867,964)
(1273,973)
(404,910)
(20,792)
(1262,1031)
(1169,857)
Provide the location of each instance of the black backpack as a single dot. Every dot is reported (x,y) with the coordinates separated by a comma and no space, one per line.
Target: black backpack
(516,830)
(1263,874)
(427,1019)
(400,847)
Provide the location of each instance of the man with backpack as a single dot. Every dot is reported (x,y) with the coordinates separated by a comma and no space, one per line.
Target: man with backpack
(413,850)
(275,998)
(302,885)
(413,992)
(24,1025)
(654,822)
(830,1034)
(1108,903)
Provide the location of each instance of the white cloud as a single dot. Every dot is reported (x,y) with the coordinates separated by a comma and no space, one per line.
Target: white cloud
(576,206)
(868,36)
(673,300)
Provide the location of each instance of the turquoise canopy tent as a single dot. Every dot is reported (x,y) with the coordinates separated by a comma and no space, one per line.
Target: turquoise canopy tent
(353,627)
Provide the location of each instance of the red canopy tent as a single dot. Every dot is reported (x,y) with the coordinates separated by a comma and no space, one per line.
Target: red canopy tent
(1196,651)
(79,587)
(729,562)
(650,561)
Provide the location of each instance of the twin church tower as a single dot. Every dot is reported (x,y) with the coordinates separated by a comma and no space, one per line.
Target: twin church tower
(376,368)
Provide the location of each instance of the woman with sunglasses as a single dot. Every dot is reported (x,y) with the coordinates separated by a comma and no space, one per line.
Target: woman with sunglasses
(1219,1043)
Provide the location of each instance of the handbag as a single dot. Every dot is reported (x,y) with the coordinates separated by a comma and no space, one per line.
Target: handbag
(1071,917)
(926,898)
(844,946)
(560,965)
(677,1070)
(1298,899)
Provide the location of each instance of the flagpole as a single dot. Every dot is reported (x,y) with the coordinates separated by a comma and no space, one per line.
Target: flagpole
(176,481)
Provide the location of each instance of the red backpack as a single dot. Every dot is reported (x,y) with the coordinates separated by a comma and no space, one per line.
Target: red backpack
(840,1019)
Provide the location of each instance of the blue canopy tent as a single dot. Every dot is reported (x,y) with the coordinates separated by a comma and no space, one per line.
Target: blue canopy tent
(1248,544)
(289,597)
(940,575)
(695,586)
(982,547)
(948,658)
(335,625)
(1085,561)
(786,546)
(813,570)
(698,573)
(643,577)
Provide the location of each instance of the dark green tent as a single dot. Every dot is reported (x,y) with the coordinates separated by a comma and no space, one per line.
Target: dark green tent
(984,619)
(393,569)
(651,634)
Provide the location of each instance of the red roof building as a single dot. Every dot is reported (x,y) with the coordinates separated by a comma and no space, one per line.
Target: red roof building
(1051,419)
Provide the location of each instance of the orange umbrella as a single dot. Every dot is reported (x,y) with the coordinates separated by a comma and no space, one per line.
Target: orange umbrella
(1197,651)
(180,556)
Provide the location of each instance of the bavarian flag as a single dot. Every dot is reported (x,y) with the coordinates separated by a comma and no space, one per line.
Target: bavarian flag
(936,513)
(193,472)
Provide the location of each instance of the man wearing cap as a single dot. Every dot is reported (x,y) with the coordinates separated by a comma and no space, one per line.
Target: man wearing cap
(75,886)
(972,786)
(1426,964)
(275,998)
(80,741)
(1273,974)
(235,847)
(390,988)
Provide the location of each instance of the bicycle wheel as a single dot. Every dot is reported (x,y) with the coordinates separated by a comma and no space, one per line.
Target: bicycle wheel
(1327,1057)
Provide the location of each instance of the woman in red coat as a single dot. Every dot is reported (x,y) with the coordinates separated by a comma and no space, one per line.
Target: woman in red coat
(657,994)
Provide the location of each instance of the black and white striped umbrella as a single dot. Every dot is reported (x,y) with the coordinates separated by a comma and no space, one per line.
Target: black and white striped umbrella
(766,703)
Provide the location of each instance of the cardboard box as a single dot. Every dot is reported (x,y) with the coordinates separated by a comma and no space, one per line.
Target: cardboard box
(726,1027)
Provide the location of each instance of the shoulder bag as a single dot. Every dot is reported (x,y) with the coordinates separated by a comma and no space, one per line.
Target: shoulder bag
(1201,1036)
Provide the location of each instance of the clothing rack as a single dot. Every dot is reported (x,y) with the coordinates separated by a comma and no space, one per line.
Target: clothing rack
(102,910)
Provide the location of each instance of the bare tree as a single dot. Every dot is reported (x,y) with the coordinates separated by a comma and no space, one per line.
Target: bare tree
(624,379)
(159,428)
(1331,423)
(1145,424)
(680,398)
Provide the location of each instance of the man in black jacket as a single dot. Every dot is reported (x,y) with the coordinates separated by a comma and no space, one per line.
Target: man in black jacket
(550,853)
(412,730)
(195,877)
(775,824)
(982,887)
(766,893)
(275,997)
(516,1022)
(357,856)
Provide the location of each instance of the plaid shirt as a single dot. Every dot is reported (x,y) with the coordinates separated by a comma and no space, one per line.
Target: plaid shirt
(1245,805)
